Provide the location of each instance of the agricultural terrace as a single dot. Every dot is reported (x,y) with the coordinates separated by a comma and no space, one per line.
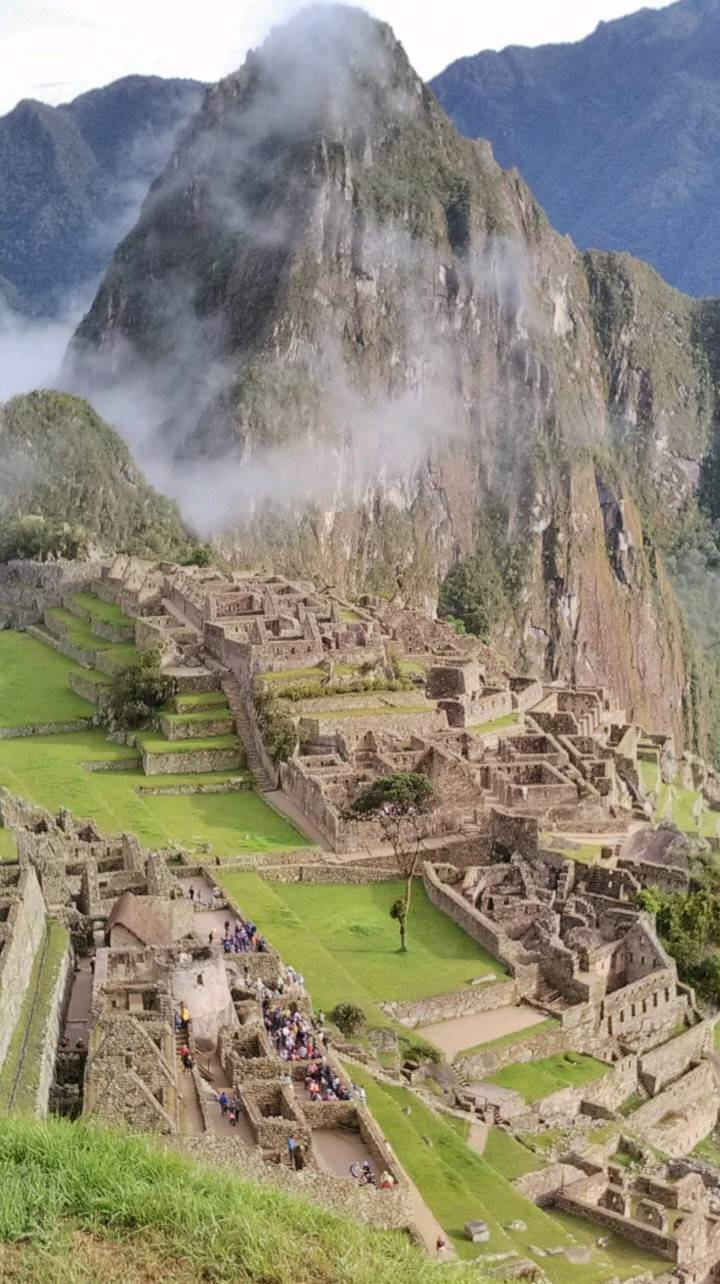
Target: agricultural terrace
(52,770)
(683,802)
(342,939)
(459,1184)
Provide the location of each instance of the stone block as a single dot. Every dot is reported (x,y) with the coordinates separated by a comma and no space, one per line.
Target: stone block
(477,1231)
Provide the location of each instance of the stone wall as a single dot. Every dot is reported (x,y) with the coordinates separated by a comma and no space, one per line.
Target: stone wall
(82,685)
(531,1048)
(486,997)
(659,1067)
(356,875)
(172,764)
(644,1237)
(53,1027)
(21,937)
(45,729)
(682,1115)
(30,588)
(514,833)
(223,725)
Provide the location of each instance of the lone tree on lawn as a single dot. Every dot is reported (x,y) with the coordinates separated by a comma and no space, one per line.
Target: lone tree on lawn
(399,802)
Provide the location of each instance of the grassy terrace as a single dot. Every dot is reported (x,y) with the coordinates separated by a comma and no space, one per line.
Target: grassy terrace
(8,849)
(33,684)
(196,719)
(20,1074)
(683,802)
(537,1079)
(199,700)
(342,939)
(80,1205)
(495,724)
(105,611)
(458,1184)
(515,1036)
(48,770)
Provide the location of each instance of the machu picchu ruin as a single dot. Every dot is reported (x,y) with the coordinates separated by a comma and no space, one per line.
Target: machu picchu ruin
(194,990)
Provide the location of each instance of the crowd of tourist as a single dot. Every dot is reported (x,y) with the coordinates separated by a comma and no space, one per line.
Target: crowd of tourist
(244,938)
(294,1035)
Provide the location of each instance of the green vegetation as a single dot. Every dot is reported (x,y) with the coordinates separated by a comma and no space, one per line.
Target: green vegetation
(20,1074)
(199,700)
(536,1079)
(479,592)
(277,728)
(458,1185)
(683,802)
(343,941)
(33,684)
(515,1036)
(107,612)
(689,924)
(508,1156)
(495,724)
(48,770)
(80,1205)
(36,539)
(197,719)
(79,633)
(63,462)
(8,847)
(399,802)
(135,694)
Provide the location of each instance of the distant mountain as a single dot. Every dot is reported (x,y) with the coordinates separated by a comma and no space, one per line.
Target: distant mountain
(618,135)
(61,463)
(72,179)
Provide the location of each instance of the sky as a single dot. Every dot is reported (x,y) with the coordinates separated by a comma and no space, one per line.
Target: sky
(56,49)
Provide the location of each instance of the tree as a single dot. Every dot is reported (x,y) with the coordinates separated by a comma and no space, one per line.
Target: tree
(136,693)
(399,802)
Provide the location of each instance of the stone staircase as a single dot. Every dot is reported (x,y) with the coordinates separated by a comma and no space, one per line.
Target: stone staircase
(245,732)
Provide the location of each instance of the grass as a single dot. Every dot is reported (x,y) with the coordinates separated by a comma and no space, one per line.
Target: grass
(151,742)
(683,802)
(8,847)
(113,1208)
(105,611)
(515,1036)
(77,631)
(198,700)
(22,1062)
(534,1080)
(508,1156)
(291,675)
(709,1150)
(33,684)
(48,771)
(342,939)
(585,853)
(195,719)
(495,724)
(459,1185)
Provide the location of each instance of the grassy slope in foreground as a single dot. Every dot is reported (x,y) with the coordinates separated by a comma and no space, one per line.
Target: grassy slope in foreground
(458,1185)
(341,937)
(72,1197)
(33,684)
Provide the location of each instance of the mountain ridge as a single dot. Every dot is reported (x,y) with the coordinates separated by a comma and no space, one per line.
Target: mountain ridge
(617,134)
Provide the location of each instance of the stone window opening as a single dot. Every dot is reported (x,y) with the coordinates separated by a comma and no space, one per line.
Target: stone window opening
(200,978)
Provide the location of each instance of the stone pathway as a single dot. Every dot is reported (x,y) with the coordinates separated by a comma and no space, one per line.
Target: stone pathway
(77,1019)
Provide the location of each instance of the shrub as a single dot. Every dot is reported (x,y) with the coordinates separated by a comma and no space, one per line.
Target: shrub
(136,693)
(348,1017)
(277,728)
(37,539)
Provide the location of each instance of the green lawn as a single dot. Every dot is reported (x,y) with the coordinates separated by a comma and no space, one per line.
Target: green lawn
(33,684)
(537,1079)
(198,700)
(48,770)
(22,1062)
(515,1036)
(105,611)
(8,849)
(459,1185)
(495,724)
(78,631)
(342,939)
(195,719)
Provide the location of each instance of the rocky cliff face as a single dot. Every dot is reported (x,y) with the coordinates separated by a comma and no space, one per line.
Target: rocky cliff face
(345,332)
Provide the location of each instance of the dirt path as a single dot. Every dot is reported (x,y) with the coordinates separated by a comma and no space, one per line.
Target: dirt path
(467,1032)
(477,1137)
(77,1019)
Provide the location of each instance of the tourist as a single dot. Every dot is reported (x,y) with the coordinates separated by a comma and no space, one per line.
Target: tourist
(223,1102)
(293,1153)
(191,893)
(227,928)
(185,1019)
(387,1181)
(232,1114)
(211,937)
(441,1248)
(360,1093)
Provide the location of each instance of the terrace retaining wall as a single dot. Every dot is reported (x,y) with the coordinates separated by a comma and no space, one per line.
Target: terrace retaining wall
(45,729)
(51,1034)
(179,764)
(486,997)
(26,925)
